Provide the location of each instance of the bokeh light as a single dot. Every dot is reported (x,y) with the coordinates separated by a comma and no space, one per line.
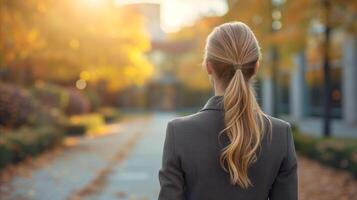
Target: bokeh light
(81,84)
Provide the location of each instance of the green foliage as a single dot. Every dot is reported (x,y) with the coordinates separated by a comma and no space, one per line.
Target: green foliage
(18,144)
(5,153)
(94,99)
(337,153)
(50,102)
(50,95)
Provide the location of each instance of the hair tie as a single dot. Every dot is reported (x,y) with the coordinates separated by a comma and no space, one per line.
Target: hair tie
(237,66)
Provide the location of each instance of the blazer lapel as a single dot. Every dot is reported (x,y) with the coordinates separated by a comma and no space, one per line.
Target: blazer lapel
(214,103)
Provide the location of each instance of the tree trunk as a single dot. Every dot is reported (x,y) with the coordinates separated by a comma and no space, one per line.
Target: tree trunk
(327,76)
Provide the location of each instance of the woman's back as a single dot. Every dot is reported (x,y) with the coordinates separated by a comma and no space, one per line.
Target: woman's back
(191,161)
(230,149)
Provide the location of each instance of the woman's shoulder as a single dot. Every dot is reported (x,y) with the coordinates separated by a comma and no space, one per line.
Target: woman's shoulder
(196,123)
(185,120)
(281,129)
(278,122)
(197,119)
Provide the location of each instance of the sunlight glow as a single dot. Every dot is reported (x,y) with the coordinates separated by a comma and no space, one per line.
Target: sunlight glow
(178,13)
(94,3)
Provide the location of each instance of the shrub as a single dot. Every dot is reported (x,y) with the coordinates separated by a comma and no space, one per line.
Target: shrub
(78,103)
(18,144)
(51,101)
(75,129)
(80,124)
(15,106)
(50,95)
(5,153)
(48,117)
(110,114)
(337,153)
(94,99)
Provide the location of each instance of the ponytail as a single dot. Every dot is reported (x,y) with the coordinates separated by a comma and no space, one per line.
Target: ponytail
(242,127)
(227,47)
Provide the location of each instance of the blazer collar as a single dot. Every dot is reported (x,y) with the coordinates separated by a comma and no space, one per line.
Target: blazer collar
(214,103)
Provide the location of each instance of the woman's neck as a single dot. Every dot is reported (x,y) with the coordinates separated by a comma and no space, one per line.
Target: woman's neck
(218,89)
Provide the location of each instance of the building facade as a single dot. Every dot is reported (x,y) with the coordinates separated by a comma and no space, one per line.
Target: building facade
(301,103)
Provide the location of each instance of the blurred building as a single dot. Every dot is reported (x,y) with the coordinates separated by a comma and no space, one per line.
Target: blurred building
(300,90)
(161,91)
(152,17)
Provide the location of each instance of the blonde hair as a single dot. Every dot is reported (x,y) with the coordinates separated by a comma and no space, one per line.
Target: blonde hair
(234,52)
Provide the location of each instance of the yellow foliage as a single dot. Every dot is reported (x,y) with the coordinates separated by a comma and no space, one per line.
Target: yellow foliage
(66,40)
(74,44)
(189,68)
(85,75)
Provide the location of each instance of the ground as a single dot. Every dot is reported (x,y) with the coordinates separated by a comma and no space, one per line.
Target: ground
(124,165)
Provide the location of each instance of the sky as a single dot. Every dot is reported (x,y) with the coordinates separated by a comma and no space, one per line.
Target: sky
(178,13)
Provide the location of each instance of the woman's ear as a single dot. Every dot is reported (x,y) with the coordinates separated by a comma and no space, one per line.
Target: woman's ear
(257,65)
(209,67)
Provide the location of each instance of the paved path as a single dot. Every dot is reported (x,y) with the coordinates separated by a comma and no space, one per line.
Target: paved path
(100,162)
(136,178)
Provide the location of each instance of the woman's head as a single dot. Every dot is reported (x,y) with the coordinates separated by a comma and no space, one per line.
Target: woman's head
(232,54)
(231,46)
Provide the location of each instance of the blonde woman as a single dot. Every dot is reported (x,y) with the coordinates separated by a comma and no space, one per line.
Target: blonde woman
(230,149)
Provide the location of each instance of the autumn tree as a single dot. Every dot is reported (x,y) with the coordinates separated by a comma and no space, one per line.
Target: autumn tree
(308,27)
(191,61)
(63,41)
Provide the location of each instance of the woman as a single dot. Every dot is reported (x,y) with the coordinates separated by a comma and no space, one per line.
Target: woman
(230,149)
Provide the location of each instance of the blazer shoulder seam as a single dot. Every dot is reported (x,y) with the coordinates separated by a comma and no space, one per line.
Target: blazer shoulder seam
(171,124)
(288,135)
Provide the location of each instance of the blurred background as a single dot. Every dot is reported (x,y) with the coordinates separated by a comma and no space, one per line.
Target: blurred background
(87,87)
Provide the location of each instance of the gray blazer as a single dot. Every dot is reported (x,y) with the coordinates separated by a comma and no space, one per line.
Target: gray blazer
(190,165)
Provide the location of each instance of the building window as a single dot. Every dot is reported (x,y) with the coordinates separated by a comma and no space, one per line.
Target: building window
(314,79)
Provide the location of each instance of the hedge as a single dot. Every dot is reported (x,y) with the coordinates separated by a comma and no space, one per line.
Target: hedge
(110,114)
(337,153)
(50,95)
(15,106)
(16,146)
(78,103)
(81,124)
